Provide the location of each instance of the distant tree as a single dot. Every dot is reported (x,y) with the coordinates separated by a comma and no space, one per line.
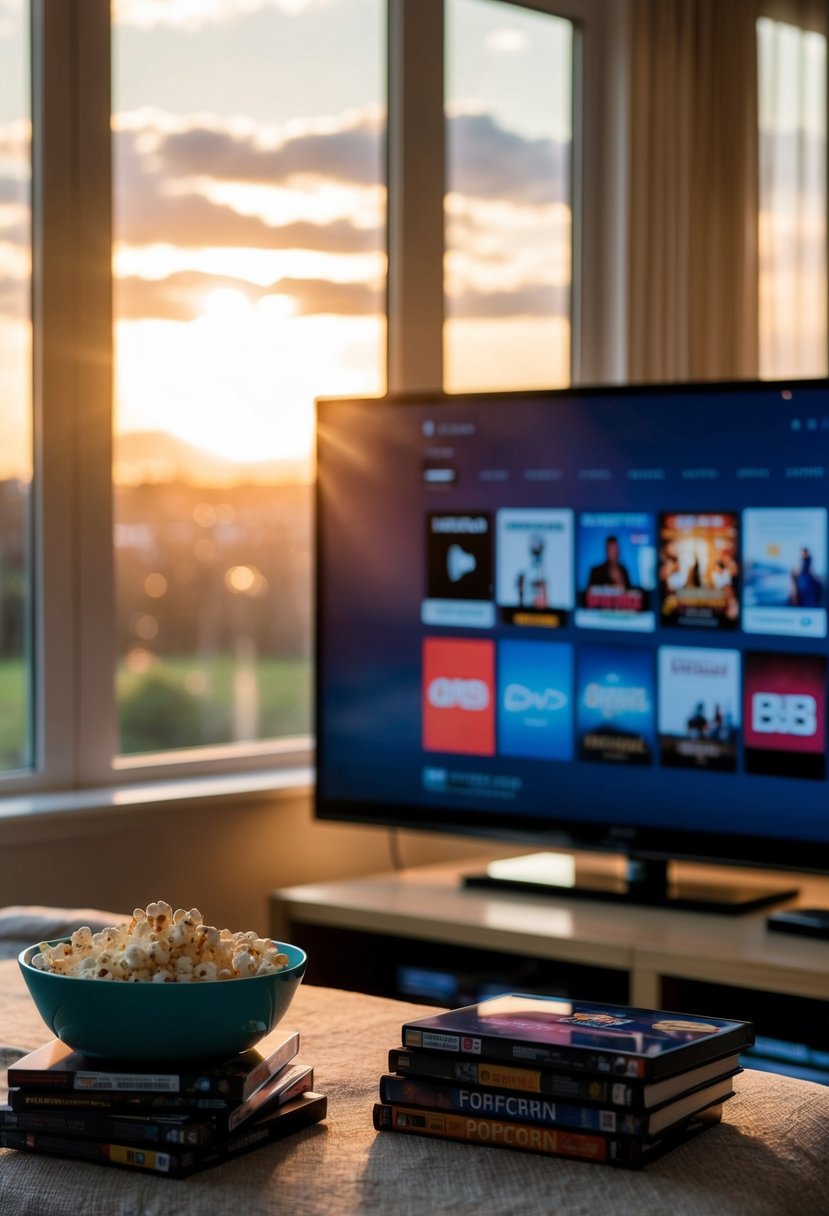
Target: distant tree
(158,714)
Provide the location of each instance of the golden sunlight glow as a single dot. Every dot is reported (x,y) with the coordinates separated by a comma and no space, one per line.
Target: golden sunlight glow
(517,352)
(225,337)
(246,580)
(15,385)
(240,381)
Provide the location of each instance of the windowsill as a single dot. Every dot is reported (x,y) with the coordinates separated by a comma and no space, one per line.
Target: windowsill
(66,808)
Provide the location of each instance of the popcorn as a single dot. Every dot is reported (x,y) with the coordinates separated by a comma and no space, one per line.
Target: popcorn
(161,946)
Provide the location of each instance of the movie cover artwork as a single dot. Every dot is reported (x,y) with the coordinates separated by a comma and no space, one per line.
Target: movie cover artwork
(535,699)
(459,570)
(699,707)
(616,571)
(534,567)
(516,1018)
(785,714)
(699,569)
(615,710)
(784,565)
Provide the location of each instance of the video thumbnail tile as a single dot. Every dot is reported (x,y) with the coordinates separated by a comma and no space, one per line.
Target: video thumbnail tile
(616,571)
(615,718)
(699,707)
(535,699)
(699,569)
(459,570)
(534,567)
(785,714)
(459,696)
(784,567)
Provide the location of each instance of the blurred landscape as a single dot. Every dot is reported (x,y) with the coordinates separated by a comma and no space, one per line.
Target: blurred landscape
(213,591)
(213,585)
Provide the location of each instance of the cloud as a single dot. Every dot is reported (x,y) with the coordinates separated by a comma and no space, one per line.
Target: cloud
(488,161)
(193,14)
(148,211)
(16,234)
(14,299)
(13,191)
(192,221)
(506,40)
(349,154)
(183,296)
(152,207)
(15,143)
(532,300)
(315,296)
(178,297)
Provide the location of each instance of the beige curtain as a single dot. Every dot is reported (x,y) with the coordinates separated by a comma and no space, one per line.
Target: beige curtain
(793,202)
(808,14)
(692,248)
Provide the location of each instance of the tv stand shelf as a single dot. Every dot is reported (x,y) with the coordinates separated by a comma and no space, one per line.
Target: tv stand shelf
(365,933)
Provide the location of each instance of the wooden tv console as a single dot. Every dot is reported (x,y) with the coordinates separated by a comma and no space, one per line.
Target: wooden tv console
(417,934)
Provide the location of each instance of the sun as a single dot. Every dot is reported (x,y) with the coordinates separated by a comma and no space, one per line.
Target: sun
(240,380)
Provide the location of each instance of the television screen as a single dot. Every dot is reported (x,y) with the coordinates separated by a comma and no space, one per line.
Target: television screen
(593,616)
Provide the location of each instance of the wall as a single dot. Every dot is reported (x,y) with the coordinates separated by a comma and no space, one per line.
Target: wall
(222,857)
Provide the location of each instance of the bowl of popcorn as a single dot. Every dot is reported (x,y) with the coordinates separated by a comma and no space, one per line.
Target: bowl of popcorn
(162,986)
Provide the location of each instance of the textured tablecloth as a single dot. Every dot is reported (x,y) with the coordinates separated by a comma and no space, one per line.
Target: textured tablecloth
(768,1157)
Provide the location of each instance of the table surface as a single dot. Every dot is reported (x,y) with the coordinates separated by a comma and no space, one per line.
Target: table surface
(768,1158)
(430,902)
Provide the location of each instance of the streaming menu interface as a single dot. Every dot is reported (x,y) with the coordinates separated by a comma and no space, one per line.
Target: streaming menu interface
(579,596)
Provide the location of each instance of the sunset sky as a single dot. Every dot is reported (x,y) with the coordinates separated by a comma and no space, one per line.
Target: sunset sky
(249,217)
(250,210)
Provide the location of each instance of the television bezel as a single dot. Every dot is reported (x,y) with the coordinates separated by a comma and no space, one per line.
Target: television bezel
(659,844)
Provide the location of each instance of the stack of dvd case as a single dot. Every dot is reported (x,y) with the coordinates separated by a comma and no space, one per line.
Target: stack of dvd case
(598,1083)
(156,1117)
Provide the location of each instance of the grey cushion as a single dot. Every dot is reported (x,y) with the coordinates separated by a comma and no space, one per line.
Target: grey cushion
(22,926)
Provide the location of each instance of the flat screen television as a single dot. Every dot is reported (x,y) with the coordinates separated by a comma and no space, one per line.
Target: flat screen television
(592,617)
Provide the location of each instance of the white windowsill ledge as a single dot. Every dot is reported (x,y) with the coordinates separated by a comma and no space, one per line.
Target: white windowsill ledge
(70,807)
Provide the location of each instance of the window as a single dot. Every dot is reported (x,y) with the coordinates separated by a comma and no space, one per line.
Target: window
(246,163)
(794,340)
(207,254)
(249,277)
(16,742)
(509,203)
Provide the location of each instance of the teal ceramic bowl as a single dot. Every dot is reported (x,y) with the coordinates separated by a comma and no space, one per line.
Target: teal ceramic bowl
(148,1021)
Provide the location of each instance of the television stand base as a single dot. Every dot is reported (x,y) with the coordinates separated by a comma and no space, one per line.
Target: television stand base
(805,922)
(646,883)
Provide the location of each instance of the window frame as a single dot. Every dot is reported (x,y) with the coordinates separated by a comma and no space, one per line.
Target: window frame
(74,628)
(417,174)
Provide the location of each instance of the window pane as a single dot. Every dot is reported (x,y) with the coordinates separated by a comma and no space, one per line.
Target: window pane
(793,266)
(509,204)
(15,385)
(249,278)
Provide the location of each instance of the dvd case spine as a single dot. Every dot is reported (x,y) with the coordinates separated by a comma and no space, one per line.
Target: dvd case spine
(502,1075)
(232,1081)
(101,1126)
(503,1047)
(503,1133)
(626,1152)
(176,1162)
(492,1103)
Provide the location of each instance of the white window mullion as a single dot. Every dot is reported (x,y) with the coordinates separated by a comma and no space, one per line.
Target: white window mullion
(600,193)
(416,184)
(74,613)
(95,633)
(54,399)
